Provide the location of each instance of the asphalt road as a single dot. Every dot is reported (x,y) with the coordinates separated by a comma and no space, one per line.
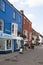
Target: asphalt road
(29,57)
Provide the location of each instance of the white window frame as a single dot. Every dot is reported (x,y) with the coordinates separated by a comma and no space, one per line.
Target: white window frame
(2,25)
(6,45)
(14,29)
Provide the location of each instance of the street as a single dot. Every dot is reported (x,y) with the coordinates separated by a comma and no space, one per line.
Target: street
(29,57)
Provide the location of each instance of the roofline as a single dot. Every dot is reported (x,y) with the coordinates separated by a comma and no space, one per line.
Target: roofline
(35,31)
(38,33)
(18,10)
(13,6)
(27,18)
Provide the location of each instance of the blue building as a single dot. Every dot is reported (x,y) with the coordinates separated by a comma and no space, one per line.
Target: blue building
(10,24)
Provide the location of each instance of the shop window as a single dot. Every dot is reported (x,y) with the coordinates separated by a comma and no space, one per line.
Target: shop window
(2,44)
(18,45)
(8,44)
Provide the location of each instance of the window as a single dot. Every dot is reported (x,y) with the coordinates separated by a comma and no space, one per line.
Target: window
(24,22)
(14,15)
(2,5)
(2,44)
(13,28)
(18,45)
(26,33)
(8,44)
(1,25)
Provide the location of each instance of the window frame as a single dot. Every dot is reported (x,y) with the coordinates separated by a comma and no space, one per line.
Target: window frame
(15,29)
(25,32)
(2,6)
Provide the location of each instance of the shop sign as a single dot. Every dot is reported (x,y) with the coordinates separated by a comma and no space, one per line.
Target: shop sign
(2,35)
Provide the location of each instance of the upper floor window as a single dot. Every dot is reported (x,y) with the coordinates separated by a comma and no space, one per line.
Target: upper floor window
(2,5)
(14,15)
(26,33)
(24,22)
(1,25)
(13,28)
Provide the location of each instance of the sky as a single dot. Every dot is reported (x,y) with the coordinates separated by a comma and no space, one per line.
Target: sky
(33,9)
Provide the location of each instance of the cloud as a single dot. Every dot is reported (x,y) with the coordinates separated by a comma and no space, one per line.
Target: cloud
(12,1)
(31,17)
(32,3)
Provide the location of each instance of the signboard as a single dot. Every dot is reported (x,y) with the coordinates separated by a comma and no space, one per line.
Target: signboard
(6,36)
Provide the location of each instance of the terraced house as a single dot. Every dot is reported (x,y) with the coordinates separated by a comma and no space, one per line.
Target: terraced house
(26,28)
(10,24)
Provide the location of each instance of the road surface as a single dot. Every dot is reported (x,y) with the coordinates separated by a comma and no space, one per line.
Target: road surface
(29,57)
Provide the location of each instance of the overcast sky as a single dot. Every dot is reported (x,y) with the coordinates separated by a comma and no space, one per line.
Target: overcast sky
(33,9)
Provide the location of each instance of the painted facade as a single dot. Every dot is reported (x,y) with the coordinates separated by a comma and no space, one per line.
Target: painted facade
(10,24)
(26,27)
(35,37)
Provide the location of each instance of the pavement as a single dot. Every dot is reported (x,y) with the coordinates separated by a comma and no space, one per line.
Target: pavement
(7,56)
(29,57)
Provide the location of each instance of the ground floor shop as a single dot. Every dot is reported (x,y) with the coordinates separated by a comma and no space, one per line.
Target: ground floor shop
(9,43)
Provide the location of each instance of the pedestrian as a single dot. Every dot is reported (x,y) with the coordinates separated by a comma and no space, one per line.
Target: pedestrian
(21,48)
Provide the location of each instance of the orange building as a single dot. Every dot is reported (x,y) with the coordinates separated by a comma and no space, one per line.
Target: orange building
(26,27)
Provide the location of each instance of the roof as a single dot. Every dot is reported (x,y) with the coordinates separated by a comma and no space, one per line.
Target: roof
(35,32)
(12,6)
(27,18)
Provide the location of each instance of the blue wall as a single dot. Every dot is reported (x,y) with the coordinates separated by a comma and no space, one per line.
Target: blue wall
(7,17)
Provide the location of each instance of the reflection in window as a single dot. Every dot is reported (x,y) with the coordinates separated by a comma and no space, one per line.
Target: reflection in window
(2,44)
(18,45)
(8,44)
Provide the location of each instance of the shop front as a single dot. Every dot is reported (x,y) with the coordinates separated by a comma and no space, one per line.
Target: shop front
(17,43)
(5,43)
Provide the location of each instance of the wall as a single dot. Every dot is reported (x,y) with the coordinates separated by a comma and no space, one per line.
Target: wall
(27,25)
(7,17)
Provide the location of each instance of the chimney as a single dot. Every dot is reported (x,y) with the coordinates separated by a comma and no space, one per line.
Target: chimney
(21,11)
